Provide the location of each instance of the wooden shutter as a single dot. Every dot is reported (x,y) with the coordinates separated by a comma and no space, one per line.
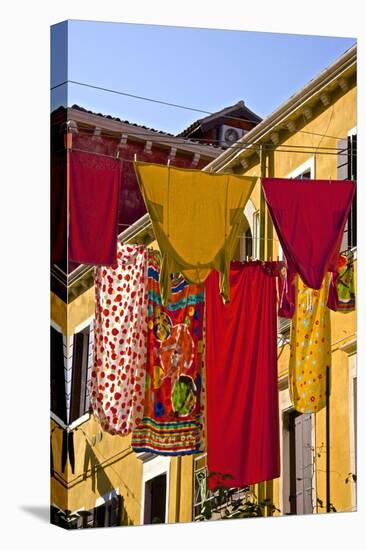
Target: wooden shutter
(303,464)
(347,169)
(58,396)
(80,358)
(352,221)
(100,516)
(115,511)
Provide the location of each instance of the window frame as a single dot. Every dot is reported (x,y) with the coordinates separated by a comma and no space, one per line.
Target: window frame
(154,466)
(286,408)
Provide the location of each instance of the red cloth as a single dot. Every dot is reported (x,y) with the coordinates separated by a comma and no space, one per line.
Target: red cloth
(241,381)
(93,206)
(309,217)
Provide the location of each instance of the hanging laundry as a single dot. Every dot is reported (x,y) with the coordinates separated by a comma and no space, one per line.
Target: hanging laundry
(342,287)
(310,348)
(241,377)
(93,206)
(309,217)
(286,293)
(196,217)
(117,385)
(173,414)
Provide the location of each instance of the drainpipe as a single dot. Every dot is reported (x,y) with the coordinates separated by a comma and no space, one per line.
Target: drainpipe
(262,205)
(178,487)
(327,436)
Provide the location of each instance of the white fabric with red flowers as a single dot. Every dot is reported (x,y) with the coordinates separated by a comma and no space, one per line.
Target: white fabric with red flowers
(117,387)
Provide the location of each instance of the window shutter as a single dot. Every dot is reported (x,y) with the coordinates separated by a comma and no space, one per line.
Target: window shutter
(352,222)
(343,174)
(58,397)
(347,169)
(80,361)
(304,464)
(299,465)
(342,159)
(115,510)
(100,516)
(307,464)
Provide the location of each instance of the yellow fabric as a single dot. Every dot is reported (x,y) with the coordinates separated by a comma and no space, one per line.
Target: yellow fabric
(310,353)
(196,217)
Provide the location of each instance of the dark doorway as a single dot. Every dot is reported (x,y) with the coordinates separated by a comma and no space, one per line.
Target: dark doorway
(155,500)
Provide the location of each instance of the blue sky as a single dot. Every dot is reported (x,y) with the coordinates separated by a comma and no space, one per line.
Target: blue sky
(203,68)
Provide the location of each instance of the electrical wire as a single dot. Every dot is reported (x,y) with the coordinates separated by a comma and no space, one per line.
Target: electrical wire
(167,103)
(122,159)
(143,98)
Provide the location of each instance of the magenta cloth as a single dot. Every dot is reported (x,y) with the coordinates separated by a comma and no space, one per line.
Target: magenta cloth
(93,207)
(287,293)
(309,217)
(241,377)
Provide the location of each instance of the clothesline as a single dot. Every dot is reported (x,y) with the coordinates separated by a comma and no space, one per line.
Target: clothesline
(237,145)
(117,157)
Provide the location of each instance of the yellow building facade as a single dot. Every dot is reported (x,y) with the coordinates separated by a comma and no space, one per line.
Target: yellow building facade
(109,484)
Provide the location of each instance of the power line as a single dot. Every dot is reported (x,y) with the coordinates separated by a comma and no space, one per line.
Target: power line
(167,103)
(161,102)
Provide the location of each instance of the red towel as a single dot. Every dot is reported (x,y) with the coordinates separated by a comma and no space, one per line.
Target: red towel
(93,206)
(241,366)
(309,217)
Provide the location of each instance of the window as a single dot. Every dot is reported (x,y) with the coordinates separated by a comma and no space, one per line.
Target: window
(155,500)
(298,463)
(244,248)
(107,514)
(58,394)
(305,171)
(351,350)
(256,234)
(79,404)
(201,492)
(70,373)
(347,169)
(155,488)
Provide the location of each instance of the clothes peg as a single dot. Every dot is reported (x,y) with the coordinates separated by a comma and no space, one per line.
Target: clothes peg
(135,157)
(168,162)
(117,154)
(68,140)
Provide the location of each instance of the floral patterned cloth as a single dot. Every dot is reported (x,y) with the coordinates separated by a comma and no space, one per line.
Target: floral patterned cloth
(117,385)
(172,422)
(310,353)
(346,284)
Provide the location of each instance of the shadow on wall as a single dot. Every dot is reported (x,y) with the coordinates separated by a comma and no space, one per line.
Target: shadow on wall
(100,481)
(102,485)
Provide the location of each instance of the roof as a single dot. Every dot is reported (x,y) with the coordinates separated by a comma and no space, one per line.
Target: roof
(80,115)
(109,117)
(238,110)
